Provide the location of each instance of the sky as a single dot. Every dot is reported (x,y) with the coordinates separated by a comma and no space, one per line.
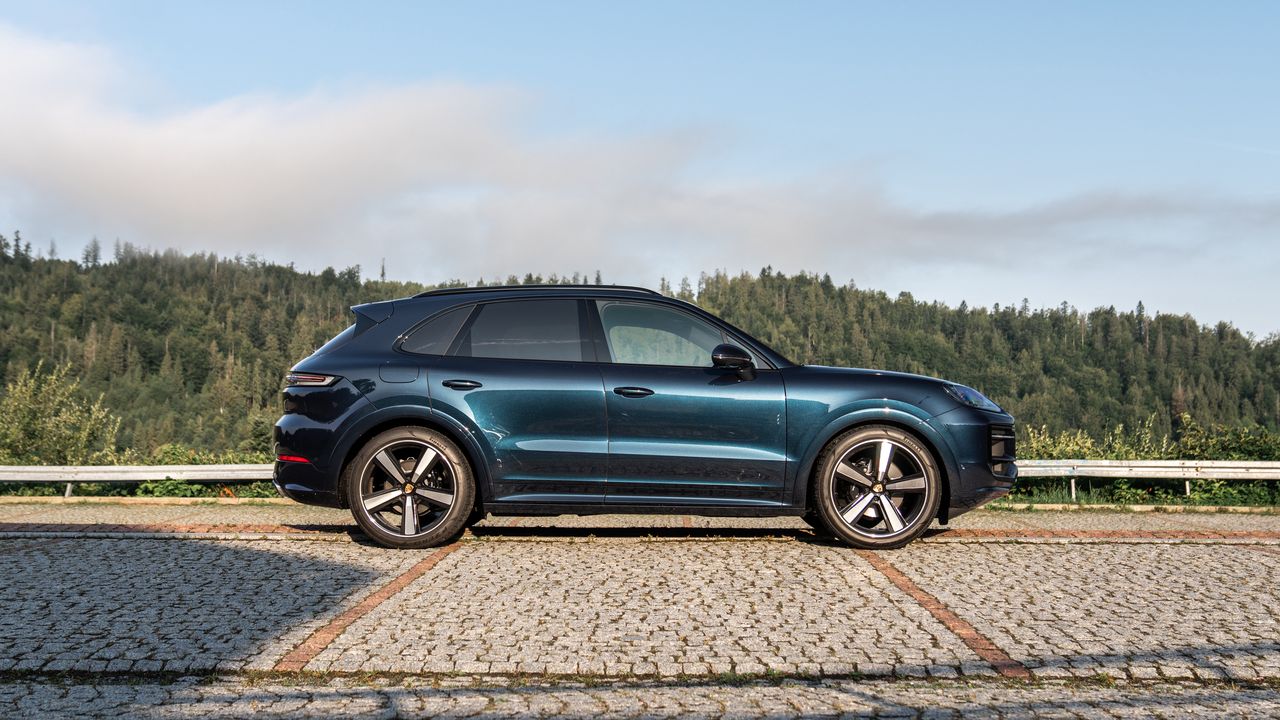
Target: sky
(1097,153)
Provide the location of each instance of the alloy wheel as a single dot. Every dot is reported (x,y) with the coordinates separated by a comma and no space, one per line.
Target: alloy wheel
(880,488)
(408,487)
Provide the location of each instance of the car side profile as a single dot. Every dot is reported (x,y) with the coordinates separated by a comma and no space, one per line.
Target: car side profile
(429,412)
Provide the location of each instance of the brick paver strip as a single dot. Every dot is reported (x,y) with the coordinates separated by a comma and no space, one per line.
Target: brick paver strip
(953,533)
(298,658)
(117,528)
(1018,533)
(983,647)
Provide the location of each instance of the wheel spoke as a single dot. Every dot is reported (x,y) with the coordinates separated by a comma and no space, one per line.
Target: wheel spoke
(390,466)
(410,516)
(435,497)
(914,483)
(425,462)
(884,459)
(852,513)
(891,514)
(379,500)
(849,472)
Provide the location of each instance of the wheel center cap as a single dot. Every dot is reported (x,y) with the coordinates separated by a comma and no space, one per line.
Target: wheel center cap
(877,488)
(408,488)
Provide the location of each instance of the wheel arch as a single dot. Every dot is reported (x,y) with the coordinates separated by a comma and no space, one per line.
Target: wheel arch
(906,422)
(407,417)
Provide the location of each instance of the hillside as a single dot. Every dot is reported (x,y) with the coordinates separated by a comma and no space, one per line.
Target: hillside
(191,348)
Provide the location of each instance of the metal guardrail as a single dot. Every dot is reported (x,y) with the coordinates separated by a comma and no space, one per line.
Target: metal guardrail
(1186,470)
(73,474)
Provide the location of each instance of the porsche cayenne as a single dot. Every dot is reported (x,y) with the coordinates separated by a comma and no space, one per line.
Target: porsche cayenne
(429,412)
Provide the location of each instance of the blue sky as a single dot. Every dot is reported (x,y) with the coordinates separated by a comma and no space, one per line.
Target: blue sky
(1097,153)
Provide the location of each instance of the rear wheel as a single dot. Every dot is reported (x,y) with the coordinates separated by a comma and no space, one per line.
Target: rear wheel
(410,487)
(877,487)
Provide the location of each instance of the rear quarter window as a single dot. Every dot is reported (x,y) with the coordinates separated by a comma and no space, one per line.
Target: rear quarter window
(434,337)
(337,341)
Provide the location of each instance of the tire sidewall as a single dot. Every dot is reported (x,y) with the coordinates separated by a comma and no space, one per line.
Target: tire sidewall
(823,480)
(463,480)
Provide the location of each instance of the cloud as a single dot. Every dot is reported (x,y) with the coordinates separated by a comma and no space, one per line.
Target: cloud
(446,180)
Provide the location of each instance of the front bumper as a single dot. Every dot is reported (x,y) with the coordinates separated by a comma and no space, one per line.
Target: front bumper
(984,449)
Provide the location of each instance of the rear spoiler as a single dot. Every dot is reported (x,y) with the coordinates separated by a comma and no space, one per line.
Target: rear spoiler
(370,314)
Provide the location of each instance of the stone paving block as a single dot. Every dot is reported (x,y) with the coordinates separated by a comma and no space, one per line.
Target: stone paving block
(792,699)
(1186,610)
(669,608)
(188,604)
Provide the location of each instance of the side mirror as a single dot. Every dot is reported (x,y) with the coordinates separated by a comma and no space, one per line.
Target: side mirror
(732,357)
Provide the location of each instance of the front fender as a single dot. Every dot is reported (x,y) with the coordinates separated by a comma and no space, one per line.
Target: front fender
(867,412)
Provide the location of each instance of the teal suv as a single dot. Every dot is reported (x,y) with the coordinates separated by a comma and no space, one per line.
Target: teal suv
(430,411)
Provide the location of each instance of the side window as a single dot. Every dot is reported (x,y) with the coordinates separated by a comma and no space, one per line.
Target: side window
(435,337)
(525,330)
(643,334)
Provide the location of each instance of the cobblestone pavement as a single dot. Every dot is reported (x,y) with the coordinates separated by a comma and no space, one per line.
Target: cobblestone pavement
(174,606)
(659,616)
(789,699)
(622,608)
(1143,611)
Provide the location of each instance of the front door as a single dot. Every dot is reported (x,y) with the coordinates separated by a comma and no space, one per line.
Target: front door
(682,432)
(517,376)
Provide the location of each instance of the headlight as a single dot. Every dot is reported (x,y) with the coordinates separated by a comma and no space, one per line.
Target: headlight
(972,398)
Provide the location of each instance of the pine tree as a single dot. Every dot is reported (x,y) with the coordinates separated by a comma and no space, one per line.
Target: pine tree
(92,255)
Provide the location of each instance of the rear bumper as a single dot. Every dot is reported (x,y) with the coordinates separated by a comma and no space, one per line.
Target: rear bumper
(304,483)
(315,419)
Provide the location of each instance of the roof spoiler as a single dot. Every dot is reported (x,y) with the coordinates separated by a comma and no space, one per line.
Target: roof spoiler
(370,314)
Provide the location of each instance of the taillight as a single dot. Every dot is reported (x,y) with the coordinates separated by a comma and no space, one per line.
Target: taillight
(291,458)
(297,379)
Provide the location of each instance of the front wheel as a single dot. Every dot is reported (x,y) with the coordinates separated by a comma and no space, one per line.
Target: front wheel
(410,487)
(877,487)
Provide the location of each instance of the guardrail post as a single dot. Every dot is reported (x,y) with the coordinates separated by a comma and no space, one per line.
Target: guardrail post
(1073,488)
(1187,484)
(67,493)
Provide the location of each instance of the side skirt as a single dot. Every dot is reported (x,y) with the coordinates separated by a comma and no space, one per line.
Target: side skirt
(500,508)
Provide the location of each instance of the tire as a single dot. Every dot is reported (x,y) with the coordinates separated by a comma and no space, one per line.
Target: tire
(384,479)
(871,501)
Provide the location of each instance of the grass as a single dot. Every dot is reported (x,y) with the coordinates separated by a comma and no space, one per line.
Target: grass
(1095,491)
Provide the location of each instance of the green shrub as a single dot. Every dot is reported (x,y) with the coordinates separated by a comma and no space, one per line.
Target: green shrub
(45,421)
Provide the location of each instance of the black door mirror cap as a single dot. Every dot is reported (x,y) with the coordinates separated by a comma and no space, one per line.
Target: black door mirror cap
(732,357)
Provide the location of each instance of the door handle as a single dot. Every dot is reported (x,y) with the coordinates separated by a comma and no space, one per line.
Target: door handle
(633,392)
(461,384)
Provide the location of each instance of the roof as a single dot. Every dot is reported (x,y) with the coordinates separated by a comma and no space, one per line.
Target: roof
(511,288)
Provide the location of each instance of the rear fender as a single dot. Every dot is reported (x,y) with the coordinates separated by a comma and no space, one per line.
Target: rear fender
(388,417)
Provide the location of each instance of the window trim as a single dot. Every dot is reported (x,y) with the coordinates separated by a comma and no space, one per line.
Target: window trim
(602,341)
(596,327)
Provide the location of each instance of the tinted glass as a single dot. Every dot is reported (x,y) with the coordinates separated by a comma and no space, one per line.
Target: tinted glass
(525,330)
(646,334)
(435,337)
(337,341)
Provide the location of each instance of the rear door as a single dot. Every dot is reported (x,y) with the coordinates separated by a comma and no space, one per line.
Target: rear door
(521,374)
(682,432)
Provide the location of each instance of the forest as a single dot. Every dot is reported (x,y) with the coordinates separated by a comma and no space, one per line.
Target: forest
(190,349)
